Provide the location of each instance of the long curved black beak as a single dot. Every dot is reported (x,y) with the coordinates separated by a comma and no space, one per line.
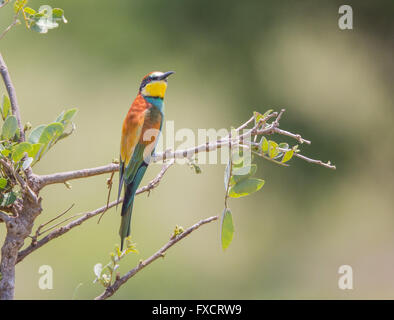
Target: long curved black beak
(166,75)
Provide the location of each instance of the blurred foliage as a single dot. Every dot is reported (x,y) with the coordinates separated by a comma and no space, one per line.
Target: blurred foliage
(42,20)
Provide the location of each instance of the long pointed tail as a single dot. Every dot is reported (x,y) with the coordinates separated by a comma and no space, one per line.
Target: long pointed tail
(127,209)
(128,202)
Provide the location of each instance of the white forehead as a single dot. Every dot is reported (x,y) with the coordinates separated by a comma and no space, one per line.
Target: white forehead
(156,74)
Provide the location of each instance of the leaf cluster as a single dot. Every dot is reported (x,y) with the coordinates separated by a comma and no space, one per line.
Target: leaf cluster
(41,20)
(239,180)
(104,274)
(25,154)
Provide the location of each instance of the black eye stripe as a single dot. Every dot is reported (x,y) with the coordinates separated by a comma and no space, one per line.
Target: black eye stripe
(144,82)
(147,80)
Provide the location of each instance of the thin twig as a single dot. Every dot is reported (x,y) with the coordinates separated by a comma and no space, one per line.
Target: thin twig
(109,184)
(109,291)
(62,230)
(155,182)
(292,135)
(61,222)
(4,4)
(39,232)
(15,21)
(319,162)
(276,122)
(243,126)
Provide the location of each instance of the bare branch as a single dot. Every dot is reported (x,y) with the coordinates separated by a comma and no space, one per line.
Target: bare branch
(62,230)
(85,216)
(4,4)
(154,183)
(292,135)
(319,162)
(243,126)
(109,185)
(276,122)
(109,291)
(258,129)
(12,95)
(14,22)
(39,232)
(62,177)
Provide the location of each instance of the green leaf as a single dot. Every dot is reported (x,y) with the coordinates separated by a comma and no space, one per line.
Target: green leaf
(227,228)
(8,199)
(27,163)
(49,136)
(60,117)
(237,158)
(284,145)
(192,164)
(3,183)
(6,107)
(5,152)
(246,187)
(58,14)
(243,173)
(66,134)
(118,252)
(272,149)
(69,115)
(19,4)
(35,148)
(66,116)
(267,113)
(35,135)
(258,116)
(29,11)
(264,145)
(9,127)
(51,132)
(20,149)
(46,19)
(288,155)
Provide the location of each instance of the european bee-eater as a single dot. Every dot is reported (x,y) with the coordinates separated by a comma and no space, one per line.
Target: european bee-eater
(140,132)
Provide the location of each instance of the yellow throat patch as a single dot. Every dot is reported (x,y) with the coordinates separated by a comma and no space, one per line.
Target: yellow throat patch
(155,89)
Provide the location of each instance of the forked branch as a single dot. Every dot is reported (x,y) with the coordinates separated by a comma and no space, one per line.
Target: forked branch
(35,244)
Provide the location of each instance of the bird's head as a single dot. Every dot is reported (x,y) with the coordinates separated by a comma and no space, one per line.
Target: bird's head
(154,84)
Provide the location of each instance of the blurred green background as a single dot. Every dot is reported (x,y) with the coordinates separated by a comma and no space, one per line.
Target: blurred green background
(231,58)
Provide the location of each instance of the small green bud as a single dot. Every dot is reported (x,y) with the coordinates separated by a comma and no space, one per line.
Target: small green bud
(27,126)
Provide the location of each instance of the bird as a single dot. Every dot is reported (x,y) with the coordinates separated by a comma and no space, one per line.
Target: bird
(140,132)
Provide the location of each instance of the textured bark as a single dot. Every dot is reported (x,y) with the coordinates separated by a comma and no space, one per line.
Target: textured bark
(18,229)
